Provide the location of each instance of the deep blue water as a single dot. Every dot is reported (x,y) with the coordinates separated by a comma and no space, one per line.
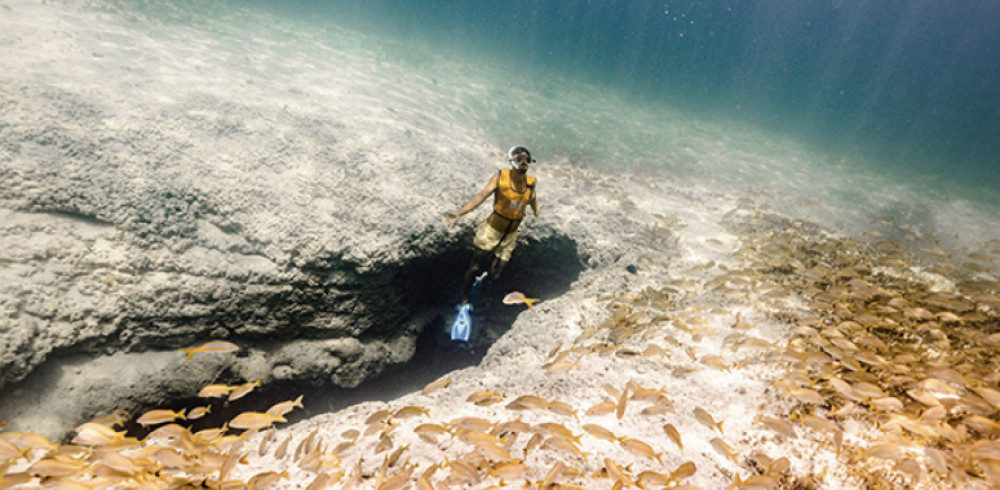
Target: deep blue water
(910,84)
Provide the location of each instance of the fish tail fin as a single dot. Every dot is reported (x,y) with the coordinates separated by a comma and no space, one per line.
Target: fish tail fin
(530,302)
(298,402)
(181,415)
(736,484)
(190,351)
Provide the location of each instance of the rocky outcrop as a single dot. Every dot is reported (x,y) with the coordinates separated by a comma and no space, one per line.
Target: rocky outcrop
(158,202)
(323,263)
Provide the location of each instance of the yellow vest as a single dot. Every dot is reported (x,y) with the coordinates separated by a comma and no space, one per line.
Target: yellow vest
(509,203)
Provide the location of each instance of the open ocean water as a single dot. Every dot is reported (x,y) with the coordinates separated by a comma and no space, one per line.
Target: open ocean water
(884,107)
(844,112)
(906,86)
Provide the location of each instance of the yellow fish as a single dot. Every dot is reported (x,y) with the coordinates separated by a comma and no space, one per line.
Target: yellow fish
(476,437)
(559,443)
(483,398)
(31,440)
(516,297)
(562,408)
(602,408)
(528,402)
(55,467)
(430,432)
(154,417)
(254,420)
(706,419)
(492,451)
(511,471)
(725,449)
(560,366)
(617,473)
(267,479)
(284,407)
(215,391)
(600,432)
(553,474)
(9,451)
(243,389)
(640,448)
(212,346)
(673,434)
(199,412)
(93,434)
(436,385)
(683,471)
(622,403)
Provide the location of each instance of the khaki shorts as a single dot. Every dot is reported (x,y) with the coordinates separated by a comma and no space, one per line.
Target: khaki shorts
(488,238)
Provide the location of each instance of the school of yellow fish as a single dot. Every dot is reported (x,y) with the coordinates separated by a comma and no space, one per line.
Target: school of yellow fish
(871,342)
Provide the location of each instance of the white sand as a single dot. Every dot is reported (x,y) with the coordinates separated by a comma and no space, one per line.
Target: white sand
(707,171)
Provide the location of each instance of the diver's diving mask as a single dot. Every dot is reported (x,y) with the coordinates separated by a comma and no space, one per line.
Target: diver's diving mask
(519,158)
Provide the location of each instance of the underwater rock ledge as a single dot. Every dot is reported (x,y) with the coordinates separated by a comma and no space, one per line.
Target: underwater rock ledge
(110,261)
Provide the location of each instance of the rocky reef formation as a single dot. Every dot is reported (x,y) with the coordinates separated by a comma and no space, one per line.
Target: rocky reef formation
(316,244)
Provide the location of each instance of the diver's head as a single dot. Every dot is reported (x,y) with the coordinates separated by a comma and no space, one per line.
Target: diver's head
(519,158)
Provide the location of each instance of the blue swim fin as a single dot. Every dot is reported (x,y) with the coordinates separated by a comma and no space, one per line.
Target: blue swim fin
(462,325)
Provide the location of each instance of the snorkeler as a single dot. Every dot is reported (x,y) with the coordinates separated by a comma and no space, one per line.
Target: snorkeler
(513,191)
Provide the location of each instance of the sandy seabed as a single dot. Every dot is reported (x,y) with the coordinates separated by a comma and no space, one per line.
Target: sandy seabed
(748,346)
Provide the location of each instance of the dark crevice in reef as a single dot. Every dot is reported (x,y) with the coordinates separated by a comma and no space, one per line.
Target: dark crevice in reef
(418,295)
(542,268)
(80,216)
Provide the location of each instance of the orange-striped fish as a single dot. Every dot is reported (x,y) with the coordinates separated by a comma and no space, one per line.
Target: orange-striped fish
(55,467)
(219,346)
(215,391)
(243,389)
(154,417)
(284,407)
(673,434)
(92,434)
(254,420)
(640,448)
(516,297)
(436,385)
(9,451)
(199,412)
(602,408)
(707,420)
(511,471)
(600,432)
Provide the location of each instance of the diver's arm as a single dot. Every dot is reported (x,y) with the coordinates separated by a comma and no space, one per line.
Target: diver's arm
(473,203)
(534,201)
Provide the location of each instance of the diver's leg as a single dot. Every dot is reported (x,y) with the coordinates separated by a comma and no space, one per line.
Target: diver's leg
(479,258)
(501,255)
(497,267)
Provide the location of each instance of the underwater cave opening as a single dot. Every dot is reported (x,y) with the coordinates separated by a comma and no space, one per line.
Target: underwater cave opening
(543,268)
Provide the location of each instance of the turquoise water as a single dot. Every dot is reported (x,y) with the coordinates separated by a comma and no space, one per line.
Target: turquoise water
(840,112)
(911,85)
